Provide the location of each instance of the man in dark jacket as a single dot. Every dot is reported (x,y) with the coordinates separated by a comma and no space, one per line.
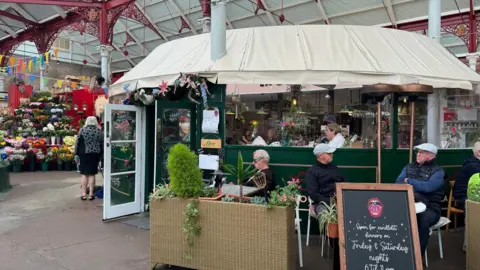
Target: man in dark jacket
(470,167)
(321,177)
(427,180)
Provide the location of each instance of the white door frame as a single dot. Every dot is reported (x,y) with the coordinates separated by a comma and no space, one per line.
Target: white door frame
(137,206)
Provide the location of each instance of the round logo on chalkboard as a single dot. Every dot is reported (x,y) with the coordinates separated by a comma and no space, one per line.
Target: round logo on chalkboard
(375,207)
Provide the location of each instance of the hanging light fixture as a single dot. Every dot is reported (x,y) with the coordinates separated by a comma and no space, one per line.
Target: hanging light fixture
(230,112)
(261,111)
(84,106)
(75,107)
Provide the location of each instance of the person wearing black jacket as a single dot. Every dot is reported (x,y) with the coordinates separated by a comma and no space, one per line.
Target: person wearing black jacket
(470,167)
(322,176)
(261,158)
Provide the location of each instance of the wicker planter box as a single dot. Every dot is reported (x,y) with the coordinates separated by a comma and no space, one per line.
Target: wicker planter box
(234,236)
(473,235)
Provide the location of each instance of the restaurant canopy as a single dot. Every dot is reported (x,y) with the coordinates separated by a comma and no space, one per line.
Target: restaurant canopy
(306,54)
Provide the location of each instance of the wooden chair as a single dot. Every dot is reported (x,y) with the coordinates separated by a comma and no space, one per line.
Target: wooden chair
(451,209)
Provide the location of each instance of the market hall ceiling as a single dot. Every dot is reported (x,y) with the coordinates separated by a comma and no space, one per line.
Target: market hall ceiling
(145,24)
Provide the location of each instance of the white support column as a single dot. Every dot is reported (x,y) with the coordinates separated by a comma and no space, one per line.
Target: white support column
(219,30)
(433,113)
(105,53)
(472,60)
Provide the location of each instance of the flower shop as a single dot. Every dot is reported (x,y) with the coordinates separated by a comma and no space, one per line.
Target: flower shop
(40,134)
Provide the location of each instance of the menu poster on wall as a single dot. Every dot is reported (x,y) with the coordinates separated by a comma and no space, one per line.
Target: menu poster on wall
(377,227)
(211,119)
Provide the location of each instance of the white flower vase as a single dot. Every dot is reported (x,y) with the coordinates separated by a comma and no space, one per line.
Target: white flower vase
(52,138)
(47,140)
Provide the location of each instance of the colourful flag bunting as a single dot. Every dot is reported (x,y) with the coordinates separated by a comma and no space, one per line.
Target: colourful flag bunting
(32,78)
(46,56)
(12,61)
(55,52)
(30,66)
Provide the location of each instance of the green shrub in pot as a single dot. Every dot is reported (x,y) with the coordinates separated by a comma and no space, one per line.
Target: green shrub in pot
(185,175)
(474,188)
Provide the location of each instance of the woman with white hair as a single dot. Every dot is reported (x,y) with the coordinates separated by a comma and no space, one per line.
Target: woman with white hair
(89,149)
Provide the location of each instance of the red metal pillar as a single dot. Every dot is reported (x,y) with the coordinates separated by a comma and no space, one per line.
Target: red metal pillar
(472,44)
(103,27)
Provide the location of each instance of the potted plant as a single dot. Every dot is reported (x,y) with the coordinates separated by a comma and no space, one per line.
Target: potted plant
(192,236)
(327,219)
(44,159)
(240,173)
(472,209)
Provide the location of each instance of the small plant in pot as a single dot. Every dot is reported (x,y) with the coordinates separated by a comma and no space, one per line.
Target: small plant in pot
(327,219)
(240,173)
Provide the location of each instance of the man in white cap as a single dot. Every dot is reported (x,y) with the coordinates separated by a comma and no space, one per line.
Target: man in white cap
(321,177)
(427,180)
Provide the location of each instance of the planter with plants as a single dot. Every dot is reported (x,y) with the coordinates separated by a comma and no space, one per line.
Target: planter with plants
(472,209)
(218,235)
(327,219)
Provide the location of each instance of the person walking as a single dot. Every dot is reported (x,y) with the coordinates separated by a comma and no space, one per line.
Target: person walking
(89,151)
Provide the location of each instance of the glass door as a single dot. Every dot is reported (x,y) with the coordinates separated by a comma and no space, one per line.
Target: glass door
(176,123)
(122,168)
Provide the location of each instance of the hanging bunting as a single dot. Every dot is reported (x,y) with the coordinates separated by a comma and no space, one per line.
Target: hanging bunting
(46,56)
(32,78)
(24,67)
(45,81)
(8,70)
(34,60)
(85,87)
(30,66)
(20,62)
(74,85)
(59,83)
(55,51)
(1,58)
(12,61)
(42,60)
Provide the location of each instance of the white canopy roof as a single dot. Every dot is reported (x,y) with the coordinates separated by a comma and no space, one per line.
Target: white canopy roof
(306,54)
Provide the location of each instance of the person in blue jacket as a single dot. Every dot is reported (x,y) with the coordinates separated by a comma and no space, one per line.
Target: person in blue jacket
(427,180)
(470,167)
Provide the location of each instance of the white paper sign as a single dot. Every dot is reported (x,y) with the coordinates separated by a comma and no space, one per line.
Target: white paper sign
(208,162)
(211,119)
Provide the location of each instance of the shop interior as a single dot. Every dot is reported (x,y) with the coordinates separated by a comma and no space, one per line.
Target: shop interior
(299,116)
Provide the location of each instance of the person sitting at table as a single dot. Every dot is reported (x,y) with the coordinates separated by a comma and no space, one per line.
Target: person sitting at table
(333,135)
(264,135)
(470,167)
(261,158)
(321,178)
(427,180)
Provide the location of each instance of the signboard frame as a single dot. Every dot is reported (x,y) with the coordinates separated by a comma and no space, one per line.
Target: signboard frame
(380,187)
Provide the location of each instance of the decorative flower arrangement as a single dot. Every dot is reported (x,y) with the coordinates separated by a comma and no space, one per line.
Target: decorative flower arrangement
(16,159)
(254,123)
(285,196)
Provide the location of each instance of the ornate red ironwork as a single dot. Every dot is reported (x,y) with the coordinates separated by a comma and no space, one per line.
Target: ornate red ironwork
(128,39)
(206,9)
(134,13)
(462,31)
(184,25)
(7,51)
(259,6)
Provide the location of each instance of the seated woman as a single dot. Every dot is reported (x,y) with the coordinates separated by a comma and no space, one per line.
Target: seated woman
(334,135)
(264,135)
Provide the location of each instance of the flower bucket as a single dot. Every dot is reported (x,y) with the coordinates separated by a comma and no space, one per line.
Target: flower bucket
(68,166)
(332,230)
(47,140)
(44,166)
(59,165)
(59,140)
(17,168)
(32,163)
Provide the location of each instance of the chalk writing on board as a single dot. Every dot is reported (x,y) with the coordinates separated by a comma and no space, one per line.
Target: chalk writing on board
(377,232)
(211,119)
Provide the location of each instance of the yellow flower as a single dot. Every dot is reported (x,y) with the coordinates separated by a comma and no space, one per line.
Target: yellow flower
(2,143)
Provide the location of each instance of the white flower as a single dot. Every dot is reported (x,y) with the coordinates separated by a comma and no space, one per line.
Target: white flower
(45,128)
(19,128)
(50,126)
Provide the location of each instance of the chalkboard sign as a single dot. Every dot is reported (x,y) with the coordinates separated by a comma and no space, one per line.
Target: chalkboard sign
(377,227)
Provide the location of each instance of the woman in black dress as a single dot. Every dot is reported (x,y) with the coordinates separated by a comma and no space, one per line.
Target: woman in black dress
(89,149)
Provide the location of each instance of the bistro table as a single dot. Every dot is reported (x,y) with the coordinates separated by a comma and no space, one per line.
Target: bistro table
(231,189)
